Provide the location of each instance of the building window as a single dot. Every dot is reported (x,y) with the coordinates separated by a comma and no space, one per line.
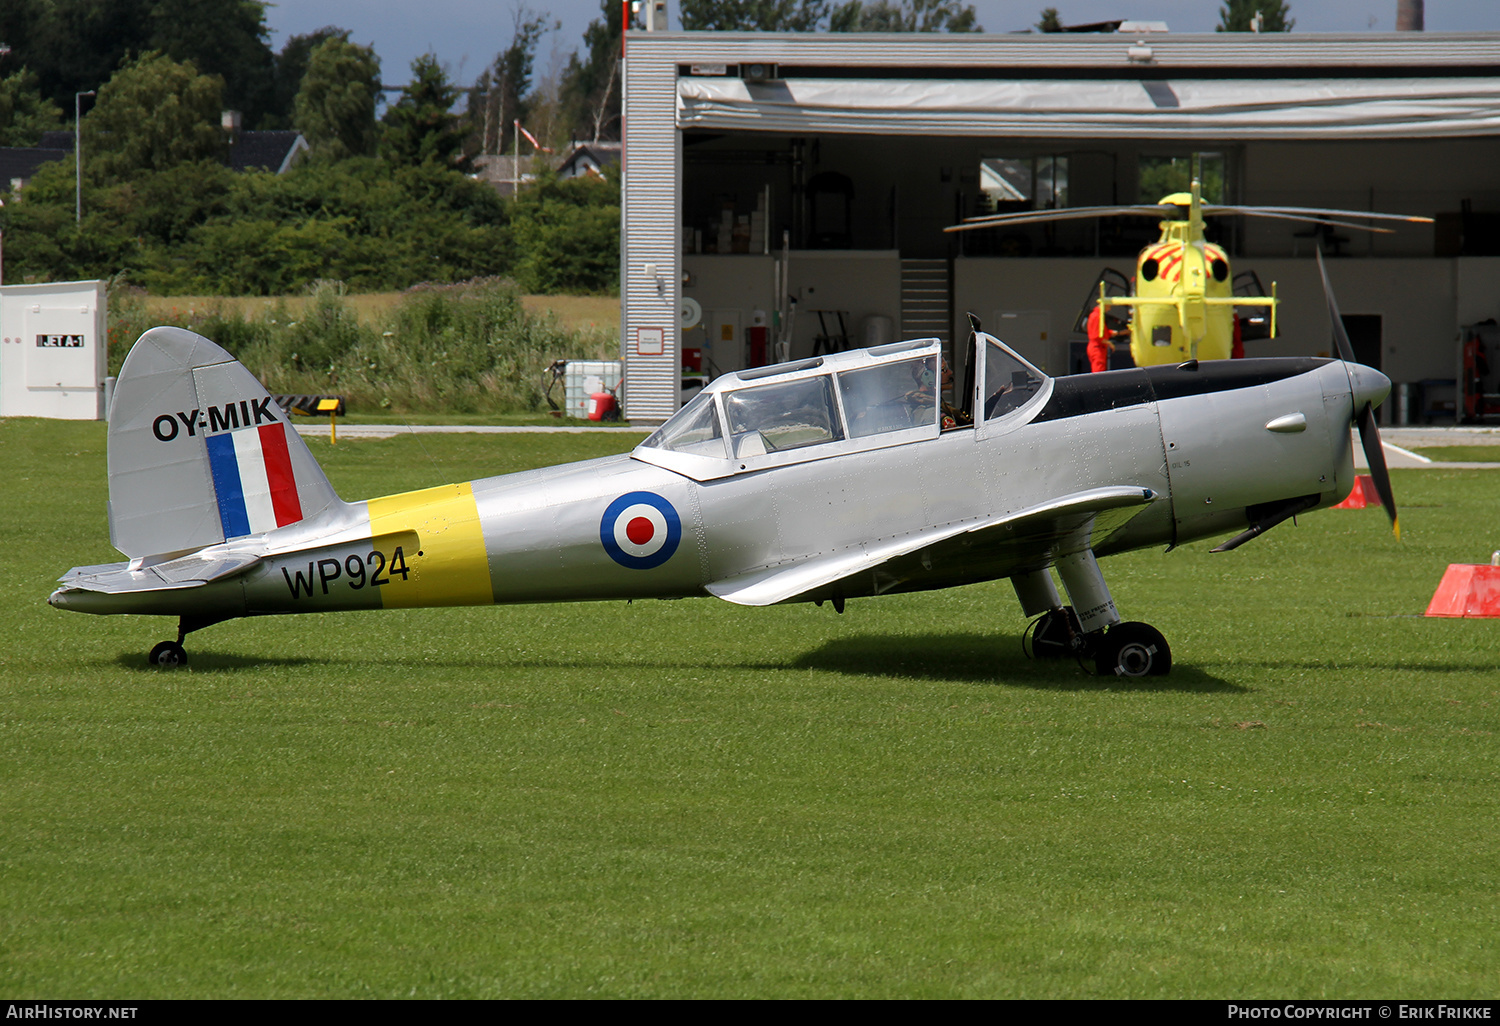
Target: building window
(1022,183)
(1163,175)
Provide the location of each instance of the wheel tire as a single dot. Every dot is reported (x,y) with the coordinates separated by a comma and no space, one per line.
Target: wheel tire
(1133,649)
(167,656)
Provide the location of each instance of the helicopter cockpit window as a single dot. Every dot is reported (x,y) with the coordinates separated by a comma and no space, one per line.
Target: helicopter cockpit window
(891,396)
(788,415)
(1008,382)
(695,429)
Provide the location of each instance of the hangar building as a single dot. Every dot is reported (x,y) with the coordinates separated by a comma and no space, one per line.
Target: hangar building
(824,167)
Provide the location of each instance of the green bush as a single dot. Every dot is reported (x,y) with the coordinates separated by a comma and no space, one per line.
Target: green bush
(469,348)
(567,235)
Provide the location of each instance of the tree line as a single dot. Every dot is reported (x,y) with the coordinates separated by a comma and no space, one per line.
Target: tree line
(385,200)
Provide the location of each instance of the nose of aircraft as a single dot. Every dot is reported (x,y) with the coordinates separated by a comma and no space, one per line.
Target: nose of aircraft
(1368,384)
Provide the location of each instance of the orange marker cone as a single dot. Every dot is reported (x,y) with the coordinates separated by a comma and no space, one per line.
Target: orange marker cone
(1363,494)
(1467,589)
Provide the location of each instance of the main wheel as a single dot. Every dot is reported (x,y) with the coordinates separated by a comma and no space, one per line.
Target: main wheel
(1133,649)
(167,655)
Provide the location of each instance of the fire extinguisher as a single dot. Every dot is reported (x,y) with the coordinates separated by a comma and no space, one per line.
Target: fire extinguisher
(1476,366)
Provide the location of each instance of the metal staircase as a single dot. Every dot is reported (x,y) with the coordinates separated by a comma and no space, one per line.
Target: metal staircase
(926,306)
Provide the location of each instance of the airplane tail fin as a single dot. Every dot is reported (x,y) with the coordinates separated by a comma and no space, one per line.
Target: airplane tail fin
(199,453)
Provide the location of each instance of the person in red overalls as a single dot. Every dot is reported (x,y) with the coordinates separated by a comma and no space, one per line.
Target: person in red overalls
(1100,345)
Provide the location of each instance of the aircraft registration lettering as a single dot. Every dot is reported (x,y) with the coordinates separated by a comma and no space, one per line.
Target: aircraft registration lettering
(373,569)
(230,416)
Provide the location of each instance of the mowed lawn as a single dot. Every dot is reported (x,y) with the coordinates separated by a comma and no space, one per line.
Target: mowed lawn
(691,799)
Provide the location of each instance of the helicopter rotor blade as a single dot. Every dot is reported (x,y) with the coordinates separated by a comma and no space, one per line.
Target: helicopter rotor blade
(1251,212)
(1173,212)
(1221,208)
(1164,211)
(1369,432)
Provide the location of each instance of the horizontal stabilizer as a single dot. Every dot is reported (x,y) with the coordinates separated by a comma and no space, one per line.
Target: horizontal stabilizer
(187,572)
(985,549)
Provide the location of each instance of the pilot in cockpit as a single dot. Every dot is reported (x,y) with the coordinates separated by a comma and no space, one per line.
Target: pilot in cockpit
(953,416)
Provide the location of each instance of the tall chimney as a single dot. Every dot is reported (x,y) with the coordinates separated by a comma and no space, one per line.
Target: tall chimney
(1409,15)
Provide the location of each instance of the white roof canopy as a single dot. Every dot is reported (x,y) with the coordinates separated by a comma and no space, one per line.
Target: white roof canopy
(1220,109)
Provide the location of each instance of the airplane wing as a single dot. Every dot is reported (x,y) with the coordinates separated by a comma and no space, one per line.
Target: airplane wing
(187,572)
(971,551)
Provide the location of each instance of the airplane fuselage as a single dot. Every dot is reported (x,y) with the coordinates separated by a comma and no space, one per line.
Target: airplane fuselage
(1207,443)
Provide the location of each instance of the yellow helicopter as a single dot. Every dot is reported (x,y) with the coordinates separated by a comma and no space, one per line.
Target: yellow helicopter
(1183,306)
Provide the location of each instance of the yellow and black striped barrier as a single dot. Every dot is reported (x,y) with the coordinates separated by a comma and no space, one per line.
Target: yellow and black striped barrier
(330,406)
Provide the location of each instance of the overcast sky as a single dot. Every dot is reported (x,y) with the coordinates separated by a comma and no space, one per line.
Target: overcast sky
(467,34)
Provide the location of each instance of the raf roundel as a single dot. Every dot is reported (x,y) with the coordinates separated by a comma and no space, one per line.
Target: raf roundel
(640,530)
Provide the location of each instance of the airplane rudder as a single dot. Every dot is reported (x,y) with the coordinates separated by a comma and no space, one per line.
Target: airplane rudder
(199,452)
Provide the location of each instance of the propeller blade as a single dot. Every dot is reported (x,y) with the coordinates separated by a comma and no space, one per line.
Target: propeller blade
(1369,433)
(1369,438)
(1340,336)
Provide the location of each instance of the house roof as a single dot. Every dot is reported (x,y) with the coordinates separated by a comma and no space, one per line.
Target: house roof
(22,161)
(270,150)
(273,151)
(597,153)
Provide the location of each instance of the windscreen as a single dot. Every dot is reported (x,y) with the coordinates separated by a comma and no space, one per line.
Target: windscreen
(694,429)
(1008,382)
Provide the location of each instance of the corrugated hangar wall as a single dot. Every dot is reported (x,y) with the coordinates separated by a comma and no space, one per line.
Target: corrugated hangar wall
(650,271)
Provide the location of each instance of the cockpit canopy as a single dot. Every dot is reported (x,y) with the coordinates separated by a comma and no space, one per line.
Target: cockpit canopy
(844,402)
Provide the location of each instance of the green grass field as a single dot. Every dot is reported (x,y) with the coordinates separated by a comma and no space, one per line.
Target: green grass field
(1462,453)
(692,799)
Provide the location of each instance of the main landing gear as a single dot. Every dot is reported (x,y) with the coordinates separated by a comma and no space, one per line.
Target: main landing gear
(1128,649)
(168,655)
(1116,648)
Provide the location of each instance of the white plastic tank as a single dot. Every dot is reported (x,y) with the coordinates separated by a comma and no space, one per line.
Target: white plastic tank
(582,378)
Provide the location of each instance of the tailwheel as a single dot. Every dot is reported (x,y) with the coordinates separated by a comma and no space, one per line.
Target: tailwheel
(1133,649)
(168,655)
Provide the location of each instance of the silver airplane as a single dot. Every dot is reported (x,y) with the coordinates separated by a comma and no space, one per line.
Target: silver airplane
(822,480)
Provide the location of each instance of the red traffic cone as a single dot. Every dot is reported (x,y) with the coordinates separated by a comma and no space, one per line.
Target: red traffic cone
(1467,589)
(1363,494)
